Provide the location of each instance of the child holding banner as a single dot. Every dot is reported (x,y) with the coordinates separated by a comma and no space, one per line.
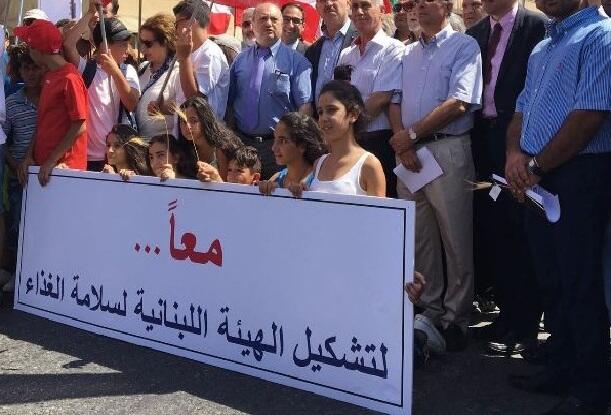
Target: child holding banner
(166,158)
(126,153)
(61,135)
(244,166)
(298,143)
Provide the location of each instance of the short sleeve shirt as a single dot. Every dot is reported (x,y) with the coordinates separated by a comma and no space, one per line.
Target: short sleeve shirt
(449,66)
(212,75)
(375,70)
(63,100)
(104,102)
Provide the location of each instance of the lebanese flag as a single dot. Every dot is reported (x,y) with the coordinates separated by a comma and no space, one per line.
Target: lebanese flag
(220,17)
(312,19)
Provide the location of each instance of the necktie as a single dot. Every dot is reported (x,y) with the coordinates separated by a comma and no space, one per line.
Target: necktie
(493,43)
(254,87)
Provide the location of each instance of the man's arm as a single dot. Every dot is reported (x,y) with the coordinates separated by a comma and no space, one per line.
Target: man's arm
(377,102)
(301,86)
(76,129)
(73,35)
(129,96)
(577,131)
(184,48)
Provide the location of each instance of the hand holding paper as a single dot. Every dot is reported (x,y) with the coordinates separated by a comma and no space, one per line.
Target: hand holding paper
(429,172)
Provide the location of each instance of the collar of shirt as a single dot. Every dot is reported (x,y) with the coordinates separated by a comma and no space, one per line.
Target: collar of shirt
(437,39)
(558,28)
(341,32)
(380,39)
(293,45)
(273,48)
(507,19)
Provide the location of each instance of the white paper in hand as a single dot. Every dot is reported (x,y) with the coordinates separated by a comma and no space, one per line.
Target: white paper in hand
(429,172)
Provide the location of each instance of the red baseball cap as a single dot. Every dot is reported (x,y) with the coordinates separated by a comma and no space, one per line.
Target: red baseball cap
(41,35)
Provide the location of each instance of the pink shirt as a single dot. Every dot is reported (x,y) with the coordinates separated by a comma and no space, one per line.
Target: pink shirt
(506,23)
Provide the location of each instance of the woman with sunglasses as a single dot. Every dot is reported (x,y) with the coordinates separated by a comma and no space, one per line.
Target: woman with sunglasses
(158,76)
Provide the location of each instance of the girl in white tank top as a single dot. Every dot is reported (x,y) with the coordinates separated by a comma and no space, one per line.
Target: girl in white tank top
(348,184)
(347,169)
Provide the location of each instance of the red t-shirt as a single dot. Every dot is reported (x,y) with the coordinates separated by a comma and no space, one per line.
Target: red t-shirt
(63,99)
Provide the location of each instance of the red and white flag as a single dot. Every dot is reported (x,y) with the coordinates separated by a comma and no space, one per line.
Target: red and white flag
(220,17)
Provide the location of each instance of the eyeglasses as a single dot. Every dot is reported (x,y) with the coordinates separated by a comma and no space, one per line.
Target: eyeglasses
(246,23)
(295,20)
(406,7)
(146,43)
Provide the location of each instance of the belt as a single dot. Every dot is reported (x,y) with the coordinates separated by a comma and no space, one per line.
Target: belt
(259,138)
(420,141)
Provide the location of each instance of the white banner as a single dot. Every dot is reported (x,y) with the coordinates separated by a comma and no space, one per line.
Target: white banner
(303,292)
(61,9)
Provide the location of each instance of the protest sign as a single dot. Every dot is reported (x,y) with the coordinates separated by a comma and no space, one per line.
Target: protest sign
(303,292)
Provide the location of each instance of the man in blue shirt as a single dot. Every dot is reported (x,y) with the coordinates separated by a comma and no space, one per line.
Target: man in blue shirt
(560,138)
(268,80)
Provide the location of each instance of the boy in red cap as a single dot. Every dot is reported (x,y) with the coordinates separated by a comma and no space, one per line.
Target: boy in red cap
(61,137)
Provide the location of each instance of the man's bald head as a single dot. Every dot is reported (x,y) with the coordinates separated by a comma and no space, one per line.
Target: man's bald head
(267,20)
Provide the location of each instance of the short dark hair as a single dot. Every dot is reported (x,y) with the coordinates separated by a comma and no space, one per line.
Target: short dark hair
(295,5)
(199,7)
(305,133)
(351,98)
(247,156)
(19,56)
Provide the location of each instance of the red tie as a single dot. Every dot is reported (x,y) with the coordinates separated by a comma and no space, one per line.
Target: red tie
(493,43)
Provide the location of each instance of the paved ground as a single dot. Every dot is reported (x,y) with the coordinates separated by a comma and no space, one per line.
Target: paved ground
(49,368)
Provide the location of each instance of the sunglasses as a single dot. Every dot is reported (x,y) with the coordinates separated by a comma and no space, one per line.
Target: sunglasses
(146,43)
(406,7)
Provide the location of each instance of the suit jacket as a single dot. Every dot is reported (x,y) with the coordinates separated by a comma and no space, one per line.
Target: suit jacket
(302,47)
(528,30)
(313,53)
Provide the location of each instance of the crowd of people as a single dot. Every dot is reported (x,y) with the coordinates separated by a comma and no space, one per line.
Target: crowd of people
(501,90)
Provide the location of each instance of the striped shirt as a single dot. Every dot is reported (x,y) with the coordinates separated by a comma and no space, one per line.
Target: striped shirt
(570,70)
(20,125)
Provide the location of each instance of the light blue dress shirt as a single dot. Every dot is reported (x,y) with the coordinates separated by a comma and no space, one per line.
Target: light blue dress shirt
(570,70)
(448,66)
(286,85)
(329,55)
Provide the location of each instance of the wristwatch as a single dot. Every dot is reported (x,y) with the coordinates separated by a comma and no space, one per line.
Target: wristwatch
(534,168)
(412,134)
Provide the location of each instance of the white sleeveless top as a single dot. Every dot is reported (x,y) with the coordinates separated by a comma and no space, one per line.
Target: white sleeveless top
(348,184)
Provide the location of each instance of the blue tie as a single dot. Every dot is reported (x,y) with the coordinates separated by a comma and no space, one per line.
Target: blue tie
(254,87)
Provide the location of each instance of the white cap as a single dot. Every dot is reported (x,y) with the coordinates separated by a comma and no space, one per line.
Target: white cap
(36,14)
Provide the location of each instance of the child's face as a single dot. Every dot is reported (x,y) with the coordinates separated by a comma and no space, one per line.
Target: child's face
(241,174)
(159,157)
(115,153)
(285,150)
(192,128)
(333,118)
(118,50)
(31,74)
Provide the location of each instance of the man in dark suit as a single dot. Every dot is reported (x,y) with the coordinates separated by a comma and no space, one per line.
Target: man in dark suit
(293,24)
(506,38)
(338,33)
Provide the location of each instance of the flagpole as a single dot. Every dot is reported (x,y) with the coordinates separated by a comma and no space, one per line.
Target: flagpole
(19,23)
(138,31)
